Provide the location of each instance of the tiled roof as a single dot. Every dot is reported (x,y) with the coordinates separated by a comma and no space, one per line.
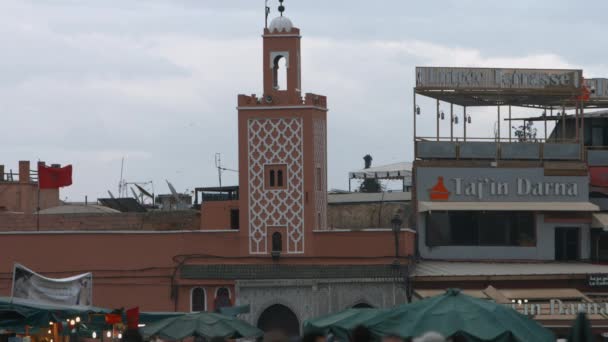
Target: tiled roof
(284,271)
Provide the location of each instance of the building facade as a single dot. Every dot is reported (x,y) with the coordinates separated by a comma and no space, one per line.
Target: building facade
(264,244)
(511,217)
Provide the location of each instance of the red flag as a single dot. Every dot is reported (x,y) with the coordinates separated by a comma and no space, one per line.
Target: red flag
(133,318)
(54,177)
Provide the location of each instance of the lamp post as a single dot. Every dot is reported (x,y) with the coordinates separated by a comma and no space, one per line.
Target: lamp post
(396,223)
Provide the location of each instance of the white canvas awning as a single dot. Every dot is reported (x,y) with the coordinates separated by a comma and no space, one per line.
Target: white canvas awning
(391,171)
(506,206)
(600,220)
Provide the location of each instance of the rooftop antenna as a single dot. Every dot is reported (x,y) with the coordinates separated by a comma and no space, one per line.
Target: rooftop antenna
(266,12)
(120,183)
(220,168)
(281,7)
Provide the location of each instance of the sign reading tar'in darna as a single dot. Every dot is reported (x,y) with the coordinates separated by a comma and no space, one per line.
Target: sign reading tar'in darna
(492,78)
(498,185)
(558,307)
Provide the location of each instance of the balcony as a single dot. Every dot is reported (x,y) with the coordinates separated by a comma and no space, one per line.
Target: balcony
(449,96)
(215,194)
(498,150)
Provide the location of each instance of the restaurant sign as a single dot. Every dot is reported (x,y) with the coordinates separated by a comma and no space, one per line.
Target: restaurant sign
(498,185)
(497,78)
(559,307)
(597,280)
(598,87)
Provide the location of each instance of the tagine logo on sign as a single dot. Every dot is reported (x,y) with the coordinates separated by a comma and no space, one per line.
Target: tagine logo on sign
(439,192)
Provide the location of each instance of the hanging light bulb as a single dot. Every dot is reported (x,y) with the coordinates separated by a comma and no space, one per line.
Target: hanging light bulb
(49,332)
(119,336)
(94,335)
(109,334)
(469,119)
(72,322)
(417,110)
(78,319)
(442,115)
(50,323)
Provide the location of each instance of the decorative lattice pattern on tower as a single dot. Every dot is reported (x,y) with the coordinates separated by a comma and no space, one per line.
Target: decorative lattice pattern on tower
(271,142)
(320,158)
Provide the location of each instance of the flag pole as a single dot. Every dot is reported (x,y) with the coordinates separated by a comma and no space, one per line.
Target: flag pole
(38,202)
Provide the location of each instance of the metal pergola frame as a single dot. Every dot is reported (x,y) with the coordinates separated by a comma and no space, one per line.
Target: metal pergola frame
(548,99)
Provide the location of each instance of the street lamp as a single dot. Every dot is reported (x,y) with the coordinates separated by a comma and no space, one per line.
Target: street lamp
(396,223)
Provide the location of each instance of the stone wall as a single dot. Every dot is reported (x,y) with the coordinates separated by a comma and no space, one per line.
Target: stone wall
(366,215)
(175,220)
(309,299)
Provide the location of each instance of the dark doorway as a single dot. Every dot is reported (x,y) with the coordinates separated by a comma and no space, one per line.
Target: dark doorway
(362,305)
(279,318)
(567,244)
(222,298)
(277,242)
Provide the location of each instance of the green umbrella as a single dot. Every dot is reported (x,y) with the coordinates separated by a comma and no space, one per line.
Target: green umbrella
(456,314)
(581,330)
(202,324)
(340,324)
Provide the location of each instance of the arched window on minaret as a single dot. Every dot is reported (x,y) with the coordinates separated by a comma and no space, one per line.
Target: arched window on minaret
(280,178)
(277,242)
(271,180)
(280,72)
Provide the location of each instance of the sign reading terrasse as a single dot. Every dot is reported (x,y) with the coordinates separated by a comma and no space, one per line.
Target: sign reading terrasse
(493,78)
(498,185)
(598,87)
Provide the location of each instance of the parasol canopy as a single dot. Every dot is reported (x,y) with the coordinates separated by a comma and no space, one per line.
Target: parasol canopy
(203,324)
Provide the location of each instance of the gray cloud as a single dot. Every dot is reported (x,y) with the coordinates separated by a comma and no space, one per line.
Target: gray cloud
(90,82)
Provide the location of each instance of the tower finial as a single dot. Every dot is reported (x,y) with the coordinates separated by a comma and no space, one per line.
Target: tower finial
(266,13)
(281,7)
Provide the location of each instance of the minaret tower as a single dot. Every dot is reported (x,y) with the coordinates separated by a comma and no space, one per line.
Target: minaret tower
(282,152)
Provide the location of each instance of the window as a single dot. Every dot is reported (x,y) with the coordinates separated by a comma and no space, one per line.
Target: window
(567,243)
(280,178)
(468,228)
(198,299)
(234,219)
(277,242)
(222,298)
(279,71)
(275,177)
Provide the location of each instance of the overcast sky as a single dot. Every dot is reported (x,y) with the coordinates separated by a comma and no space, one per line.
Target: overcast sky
(89,82)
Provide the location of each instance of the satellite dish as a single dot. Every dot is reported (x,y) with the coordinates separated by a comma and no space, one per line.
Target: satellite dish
(111,194)
(178,200)
(134,195)
(143,191)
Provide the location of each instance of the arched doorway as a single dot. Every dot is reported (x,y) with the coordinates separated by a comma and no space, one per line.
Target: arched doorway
(278,317)
(362,305)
